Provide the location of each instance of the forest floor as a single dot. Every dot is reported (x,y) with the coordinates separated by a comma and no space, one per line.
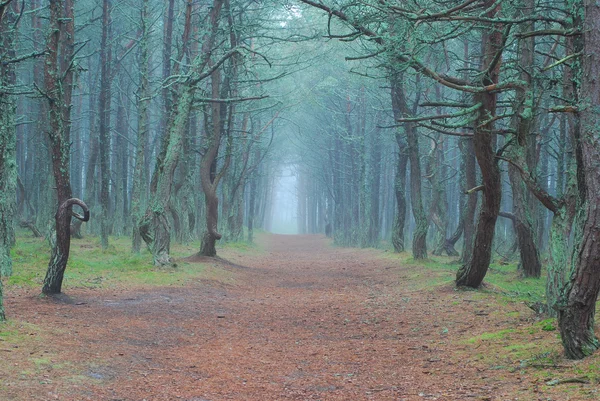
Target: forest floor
(297,319)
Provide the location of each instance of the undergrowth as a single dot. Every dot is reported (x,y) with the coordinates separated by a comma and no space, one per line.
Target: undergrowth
(91,267)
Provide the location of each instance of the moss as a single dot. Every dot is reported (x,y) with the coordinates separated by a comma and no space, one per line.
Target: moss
(498,335)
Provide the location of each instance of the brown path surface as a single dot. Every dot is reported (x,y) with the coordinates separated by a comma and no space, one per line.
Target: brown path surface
(304,321)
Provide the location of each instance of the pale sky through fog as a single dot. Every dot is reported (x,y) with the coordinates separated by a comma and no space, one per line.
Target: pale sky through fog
(285,204)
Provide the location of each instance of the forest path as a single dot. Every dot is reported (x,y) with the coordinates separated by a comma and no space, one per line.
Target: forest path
(304,321)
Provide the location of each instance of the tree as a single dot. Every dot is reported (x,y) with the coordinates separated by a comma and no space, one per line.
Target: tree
(576,314)
(143,100)
(154,226)
(8,163)
(104,106)
(58,79)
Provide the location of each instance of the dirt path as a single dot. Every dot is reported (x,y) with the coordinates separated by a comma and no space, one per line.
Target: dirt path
(305,321)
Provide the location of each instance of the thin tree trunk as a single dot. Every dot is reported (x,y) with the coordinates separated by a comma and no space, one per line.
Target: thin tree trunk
(104,106)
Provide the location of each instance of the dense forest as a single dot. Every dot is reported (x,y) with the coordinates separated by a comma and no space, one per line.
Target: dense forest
(467,128)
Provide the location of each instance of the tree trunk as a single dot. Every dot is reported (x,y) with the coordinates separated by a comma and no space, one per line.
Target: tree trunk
(104,106)
(530,263)
(400,190)
(8,143)
(58,78)
(142,133)
(471,274)
(577,312)
(401,164)
(62,244)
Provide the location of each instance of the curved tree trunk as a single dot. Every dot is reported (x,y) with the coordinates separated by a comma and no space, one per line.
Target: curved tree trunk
(62,244)
(58,80)
(471,274)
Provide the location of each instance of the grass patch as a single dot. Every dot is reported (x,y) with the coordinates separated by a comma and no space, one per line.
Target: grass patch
(91,267)
(492,336)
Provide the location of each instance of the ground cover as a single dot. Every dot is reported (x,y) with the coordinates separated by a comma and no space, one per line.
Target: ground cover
(292,319)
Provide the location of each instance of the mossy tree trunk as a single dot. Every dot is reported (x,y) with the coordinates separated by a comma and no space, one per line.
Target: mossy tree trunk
(154,226)
(8,142)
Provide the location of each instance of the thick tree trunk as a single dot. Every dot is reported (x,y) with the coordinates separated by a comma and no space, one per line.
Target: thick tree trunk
(576,314)
(471,274)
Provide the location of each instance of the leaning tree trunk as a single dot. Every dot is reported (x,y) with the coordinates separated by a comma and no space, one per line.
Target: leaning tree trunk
(154,226)
(62,244)
(471,274)
(576,315)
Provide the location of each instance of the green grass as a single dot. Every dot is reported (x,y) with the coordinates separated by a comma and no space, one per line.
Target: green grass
(91,267)
(498,335)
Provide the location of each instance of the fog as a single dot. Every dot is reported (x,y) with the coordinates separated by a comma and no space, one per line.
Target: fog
(285,203)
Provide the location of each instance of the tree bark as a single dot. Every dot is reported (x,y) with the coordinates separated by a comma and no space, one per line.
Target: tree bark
(530,263)
(62,244)
(58,78)
(154,226)
(104,106)
(577,312)
(471,274)
(8,143)
(398,239)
